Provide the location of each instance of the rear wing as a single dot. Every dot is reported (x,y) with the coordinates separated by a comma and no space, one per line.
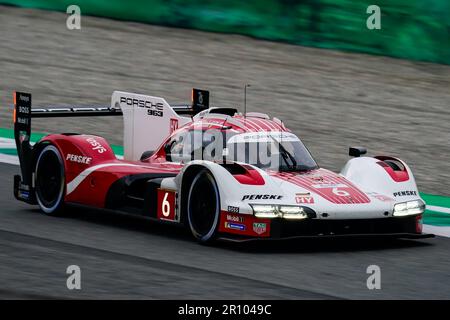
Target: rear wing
(22,101)
(148,121)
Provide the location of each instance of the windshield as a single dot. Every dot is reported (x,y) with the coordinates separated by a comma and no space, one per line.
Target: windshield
(280,151)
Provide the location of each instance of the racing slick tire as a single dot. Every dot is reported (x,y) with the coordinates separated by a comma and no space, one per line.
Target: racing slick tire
(203,207)
(49,181)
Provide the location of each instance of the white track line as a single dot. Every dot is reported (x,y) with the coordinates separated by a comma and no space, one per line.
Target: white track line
(11,159)
(7,143)
(437,230)
(439,209)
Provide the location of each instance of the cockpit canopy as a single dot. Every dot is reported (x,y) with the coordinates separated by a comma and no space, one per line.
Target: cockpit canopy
(272,150)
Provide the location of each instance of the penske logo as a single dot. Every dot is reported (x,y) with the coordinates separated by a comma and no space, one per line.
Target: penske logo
(78,159)
(261,197)
(405,193)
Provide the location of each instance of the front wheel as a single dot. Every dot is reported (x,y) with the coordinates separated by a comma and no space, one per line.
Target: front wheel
(49,180)
(203,207)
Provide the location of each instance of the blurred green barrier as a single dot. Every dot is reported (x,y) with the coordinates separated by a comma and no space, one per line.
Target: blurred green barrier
(410,29)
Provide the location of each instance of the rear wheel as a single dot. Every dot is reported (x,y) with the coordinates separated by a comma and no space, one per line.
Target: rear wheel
(49,180)
(203,207)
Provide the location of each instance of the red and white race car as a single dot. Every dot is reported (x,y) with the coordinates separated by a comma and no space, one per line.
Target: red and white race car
(220,173)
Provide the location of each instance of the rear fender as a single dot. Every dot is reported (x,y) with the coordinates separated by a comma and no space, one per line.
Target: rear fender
(79,151)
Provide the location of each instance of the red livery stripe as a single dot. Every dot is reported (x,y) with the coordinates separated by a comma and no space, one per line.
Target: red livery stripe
(327,184)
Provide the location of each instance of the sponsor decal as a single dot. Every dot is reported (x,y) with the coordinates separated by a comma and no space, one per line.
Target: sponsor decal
(24,98)
(234,218)
(263,137)
(23,109)
(200,98)
(329,185)
(302,198)
(380,197)
(261,197)
(153,108)
(24,194)
(259,227)
(23,136)
(97,146)
(405,193)
(235,226)
(78,158)
(233,209)
(21,120)
(173,125)
(22,104)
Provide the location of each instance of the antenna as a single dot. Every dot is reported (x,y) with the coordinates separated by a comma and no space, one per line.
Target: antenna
(281,132)
(245,99)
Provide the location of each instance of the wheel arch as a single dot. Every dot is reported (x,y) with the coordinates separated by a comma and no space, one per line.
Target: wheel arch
(231,190)
(37,148)
(188,176)
(55,208)
(227,185)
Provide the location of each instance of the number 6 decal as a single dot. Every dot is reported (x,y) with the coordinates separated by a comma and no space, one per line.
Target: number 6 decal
(340,193)
(166,205)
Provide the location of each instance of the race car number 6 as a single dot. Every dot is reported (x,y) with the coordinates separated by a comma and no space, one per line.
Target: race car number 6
(165,205)
(340,193)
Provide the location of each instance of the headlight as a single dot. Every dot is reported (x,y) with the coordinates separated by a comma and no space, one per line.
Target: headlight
(293,212)
(409,208)
(265,211)
(275,211)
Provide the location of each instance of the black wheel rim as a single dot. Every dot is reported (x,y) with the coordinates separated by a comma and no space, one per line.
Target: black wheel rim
(203,205)
(48,179)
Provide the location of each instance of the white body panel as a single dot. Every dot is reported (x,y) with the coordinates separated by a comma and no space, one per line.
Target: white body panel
(328,210)
(371,177)
(147,122)
(363,173)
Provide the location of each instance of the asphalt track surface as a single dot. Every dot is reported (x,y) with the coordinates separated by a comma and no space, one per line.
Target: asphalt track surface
(329,98)
(126,258)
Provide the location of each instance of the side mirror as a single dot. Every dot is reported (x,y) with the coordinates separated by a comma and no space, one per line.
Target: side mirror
(356,151)
(147,154)
(167,150)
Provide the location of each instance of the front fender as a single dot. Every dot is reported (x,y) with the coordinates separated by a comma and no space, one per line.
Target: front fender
(234,190)
(373,174)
